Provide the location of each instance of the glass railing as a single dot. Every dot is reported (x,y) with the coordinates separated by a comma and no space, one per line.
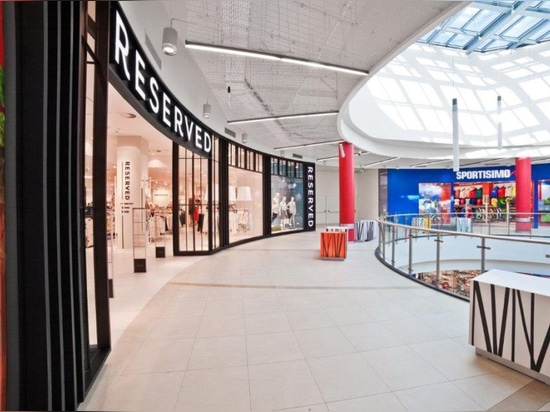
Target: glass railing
(446,252)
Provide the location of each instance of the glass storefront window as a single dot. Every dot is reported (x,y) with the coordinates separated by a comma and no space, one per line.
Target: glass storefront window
(193,200)
(287,196)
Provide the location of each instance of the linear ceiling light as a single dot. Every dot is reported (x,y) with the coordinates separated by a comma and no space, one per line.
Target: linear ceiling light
(285,117)
(321,159)
(381,161)
(271,56)
(298,146)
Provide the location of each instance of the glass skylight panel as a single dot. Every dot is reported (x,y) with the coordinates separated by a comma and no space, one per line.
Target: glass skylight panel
(522,26)
(460,41)
(442,38)
(498,45)
(483,20)
(496,25)
(464,18)
(541,31)
(543,5)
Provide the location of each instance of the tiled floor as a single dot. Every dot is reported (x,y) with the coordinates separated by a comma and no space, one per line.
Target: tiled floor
(270,326)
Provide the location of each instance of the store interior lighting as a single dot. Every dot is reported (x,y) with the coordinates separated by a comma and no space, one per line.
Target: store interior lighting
(244,138)
(284,117)
(207,110)
(170,38)
(271,56)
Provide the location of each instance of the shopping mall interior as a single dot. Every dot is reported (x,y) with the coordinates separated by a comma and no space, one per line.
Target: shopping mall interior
(282,205)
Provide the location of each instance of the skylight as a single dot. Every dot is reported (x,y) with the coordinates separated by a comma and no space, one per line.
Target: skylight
(487,26)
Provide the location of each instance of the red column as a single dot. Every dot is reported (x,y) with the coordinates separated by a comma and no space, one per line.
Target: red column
(347,187)
(524,204)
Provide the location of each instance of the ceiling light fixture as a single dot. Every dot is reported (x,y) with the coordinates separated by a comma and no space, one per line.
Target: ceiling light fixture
(298,146)
(272,56)
(381,162)
(324,159)
(206,110)
(285,117)
(244,138)
(170,39)
(341,150)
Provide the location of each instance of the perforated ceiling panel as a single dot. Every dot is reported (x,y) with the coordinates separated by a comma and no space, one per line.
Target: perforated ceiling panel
(358,34)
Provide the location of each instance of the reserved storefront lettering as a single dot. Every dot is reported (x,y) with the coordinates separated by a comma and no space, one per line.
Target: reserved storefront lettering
(132,66)
(310,197)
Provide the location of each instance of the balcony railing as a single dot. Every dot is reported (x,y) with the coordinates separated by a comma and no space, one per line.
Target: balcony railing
(445,252)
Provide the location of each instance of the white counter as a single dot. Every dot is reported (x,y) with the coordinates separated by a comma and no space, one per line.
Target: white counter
(510,321)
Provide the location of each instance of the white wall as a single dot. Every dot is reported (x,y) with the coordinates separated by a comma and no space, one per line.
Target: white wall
(366,195)
(327,196)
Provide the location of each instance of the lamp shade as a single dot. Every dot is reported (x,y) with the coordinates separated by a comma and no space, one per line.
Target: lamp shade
(232,194)
(244,194)
(169,41)
(206,110)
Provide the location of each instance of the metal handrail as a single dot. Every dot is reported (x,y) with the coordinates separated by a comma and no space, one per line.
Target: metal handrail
(389,238)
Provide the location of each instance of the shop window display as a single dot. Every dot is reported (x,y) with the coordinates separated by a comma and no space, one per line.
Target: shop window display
(434,202)
(485,201)
(287,187)
(245,194)
(544,201)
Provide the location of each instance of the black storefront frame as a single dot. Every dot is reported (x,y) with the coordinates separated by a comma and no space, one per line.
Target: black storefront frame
(50,363)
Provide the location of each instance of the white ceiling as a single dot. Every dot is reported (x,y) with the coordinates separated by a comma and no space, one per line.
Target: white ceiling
(358,34)
(366,35)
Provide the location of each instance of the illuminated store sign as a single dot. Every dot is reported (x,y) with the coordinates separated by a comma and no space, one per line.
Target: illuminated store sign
(495,174)
(310,197)
(133,68)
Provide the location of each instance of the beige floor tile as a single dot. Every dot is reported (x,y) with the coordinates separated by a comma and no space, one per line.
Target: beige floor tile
(438,397)
(146,392)
(262,305)
(179,308)
(412,330)
(456,361)
(385,310)
(213,326)
(345,376)
(448,323)
(317,343)
(220,389)
(488,390)
(402,368)
(120,357)
(309,408)
(272,347)
(370,336)
(173,328)
(379,403)
(272,388)
(225,307)
(169,355)
(348,315)
(272,322)
(298,303)
(218,352)
(309,319)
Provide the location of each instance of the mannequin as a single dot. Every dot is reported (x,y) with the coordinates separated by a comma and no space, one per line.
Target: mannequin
(292,212)
(274,208)
(283,213)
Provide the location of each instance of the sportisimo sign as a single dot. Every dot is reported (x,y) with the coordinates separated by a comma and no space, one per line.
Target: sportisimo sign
(484,174)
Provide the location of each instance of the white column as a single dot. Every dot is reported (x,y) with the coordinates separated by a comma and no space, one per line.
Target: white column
(131,152)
